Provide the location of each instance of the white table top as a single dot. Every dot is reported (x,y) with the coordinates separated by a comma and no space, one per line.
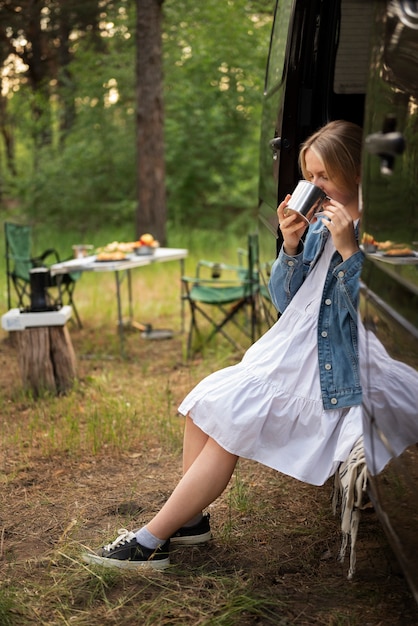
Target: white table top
(411,259)
(89,263)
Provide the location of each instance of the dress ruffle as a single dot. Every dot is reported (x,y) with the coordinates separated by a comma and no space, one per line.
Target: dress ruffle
(269,408)
(390,415)
(256,420)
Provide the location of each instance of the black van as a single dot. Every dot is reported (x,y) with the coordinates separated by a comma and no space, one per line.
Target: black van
(358,60)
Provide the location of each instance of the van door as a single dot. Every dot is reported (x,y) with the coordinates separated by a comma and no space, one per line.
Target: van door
(317,71)
(325,56)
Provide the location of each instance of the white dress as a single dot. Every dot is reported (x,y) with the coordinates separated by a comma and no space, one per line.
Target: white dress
(269,407)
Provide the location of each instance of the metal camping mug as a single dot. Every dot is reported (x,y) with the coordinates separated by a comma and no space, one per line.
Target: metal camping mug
(306,199)
(81,250)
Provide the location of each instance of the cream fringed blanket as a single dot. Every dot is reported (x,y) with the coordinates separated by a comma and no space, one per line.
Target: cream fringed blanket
(350,490)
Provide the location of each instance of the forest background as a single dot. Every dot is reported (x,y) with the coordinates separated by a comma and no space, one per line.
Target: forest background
(75,468)
(68,111)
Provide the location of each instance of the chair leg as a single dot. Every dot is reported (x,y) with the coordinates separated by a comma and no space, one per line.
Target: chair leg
(254,318)
(22,291)
(216,328)
(194,331)
(193,328)
(70,292)
(219,328)
(230,317)
(9,295)
(79,322)
(67,289)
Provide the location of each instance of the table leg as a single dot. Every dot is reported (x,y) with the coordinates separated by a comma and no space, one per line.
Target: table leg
(131,311)
(120,320)
(181,295)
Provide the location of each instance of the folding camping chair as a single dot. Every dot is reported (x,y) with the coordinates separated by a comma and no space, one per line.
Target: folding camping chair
(223,294)
(267,313)
(20,262)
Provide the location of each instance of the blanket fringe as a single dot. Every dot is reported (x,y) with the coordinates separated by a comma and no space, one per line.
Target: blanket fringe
(350,485)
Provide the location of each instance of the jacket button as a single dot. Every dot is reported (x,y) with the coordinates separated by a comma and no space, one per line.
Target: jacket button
(290,263)
(334,401)
(324,333)
(341,274)
(327,301)
(327,366)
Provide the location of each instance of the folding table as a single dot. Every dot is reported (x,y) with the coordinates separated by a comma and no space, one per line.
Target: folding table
(121,269)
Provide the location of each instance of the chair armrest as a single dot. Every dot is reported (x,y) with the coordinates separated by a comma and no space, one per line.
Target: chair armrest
(215,282)
(37,260)
(223,266)
(216,268)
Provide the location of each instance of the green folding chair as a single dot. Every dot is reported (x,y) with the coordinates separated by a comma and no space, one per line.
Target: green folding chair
(267,313)
(223,295)
(20,262)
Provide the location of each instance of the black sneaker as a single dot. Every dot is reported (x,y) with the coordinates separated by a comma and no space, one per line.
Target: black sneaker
(193,535)
(126,553)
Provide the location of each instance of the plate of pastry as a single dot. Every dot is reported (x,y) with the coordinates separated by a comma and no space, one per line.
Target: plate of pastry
(115,255)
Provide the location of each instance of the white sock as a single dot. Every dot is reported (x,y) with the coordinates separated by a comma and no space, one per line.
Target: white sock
(147,539)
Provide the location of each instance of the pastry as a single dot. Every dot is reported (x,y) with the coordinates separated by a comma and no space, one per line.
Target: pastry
(399,252)
(117,255)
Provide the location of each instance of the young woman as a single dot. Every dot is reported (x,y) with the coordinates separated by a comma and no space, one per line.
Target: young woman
(294,401)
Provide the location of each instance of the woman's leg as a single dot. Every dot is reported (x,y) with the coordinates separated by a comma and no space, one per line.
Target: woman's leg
(193,442)
(204,480)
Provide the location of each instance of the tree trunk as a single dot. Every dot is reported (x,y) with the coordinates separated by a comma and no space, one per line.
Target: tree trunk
(151,194)
(46,358)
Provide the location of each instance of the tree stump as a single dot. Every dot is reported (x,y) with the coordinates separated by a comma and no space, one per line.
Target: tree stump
(46,359)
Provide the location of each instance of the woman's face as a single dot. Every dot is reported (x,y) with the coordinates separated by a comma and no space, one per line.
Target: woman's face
(316,173)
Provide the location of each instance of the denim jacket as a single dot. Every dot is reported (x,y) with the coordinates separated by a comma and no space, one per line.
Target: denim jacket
(337,322)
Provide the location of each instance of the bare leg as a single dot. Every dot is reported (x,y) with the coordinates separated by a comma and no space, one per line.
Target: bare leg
(202,483)
(193,442)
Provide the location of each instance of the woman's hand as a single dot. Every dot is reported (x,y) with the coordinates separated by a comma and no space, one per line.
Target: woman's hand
(340,224)
(292,227)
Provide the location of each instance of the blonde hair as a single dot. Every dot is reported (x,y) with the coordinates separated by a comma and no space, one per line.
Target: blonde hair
(338,145)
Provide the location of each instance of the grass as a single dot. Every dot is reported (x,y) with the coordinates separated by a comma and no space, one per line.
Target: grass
(104,412)
(75,468)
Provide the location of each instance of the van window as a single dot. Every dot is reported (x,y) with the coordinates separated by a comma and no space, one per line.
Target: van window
(352,61)
(278,42)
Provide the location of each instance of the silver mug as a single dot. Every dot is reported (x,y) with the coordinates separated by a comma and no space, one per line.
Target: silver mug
(306,200)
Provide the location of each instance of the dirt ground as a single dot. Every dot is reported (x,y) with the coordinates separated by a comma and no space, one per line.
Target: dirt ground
(276,535)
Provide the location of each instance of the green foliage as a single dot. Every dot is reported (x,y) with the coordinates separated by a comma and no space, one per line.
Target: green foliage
(88,176)
(88,182)
(214,56)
